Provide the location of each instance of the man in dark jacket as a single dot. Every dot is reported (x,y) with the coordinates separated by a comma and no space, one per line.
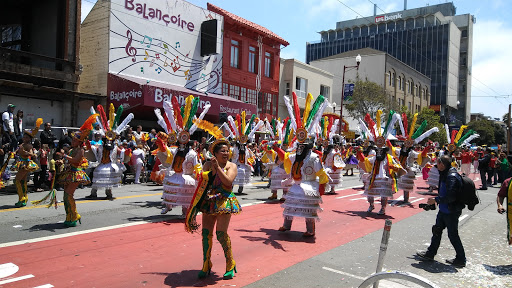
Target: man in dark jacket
(483,166)
(449,212)
(47,136)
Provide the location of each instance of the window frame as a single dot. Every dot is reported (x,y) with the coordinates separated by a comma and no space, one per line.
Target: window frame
(268,64)
(235,49)
(253,63)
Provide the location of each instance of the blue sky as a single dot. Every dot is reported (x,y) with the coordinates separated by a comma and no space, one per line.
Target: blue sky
(299,21)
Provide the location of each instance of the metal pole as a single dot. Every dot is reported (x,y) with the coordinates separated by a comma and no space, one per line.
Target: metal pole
(342,98)
(508,129)
(383,248)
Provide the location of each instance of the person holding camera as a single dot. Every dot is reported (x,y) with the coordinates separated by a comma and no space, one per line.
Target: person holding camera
(450,182)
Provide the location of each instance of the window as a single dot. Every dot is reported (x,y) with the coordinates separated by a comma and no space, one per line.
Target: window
(253,65)
(225,89)
(409,87)
(287,91)
(409,106)
(251,96)
(415,90)
(393,79)
(234,92)
(235,47)
(324,91)
(300,87)
(11,37)
(389,79)
(464,33)
(399,83)
(243,94)
(268,64)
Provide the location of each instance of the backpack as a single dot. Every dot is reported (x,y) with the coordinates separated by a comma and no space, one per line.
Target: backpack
(467,193)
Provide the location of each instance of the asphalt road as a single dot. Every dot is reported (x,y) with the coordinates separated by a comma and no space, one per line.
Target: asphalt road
(482,232)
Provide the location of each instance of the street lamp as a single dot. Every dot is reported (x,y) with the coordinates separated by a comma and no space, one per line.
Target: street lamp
(358,61)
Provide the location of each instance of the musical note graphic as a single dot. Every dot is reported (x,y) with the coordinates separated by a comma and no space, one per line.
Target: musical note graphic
(178,45)
(130,51)
(187,54)
(152,63)
(203,75)
(157,56)
(159,69)
(144,40)
(188,76)
(165,63)
(166,48)
(147,55)
(175,64)
(142,69)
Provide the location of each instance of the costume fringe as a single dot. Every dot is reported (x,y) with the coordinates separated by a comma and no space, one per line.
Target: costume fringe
(210,128)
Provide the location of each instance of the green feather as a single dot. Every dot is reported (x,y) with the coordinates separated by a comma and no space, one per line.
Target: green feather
(248,126)
(390,116)
(322,121)
(287,133)
(183,113)
(193,110)
(118,116)
(466,136)
(318,102)
(420,130)
(274,126)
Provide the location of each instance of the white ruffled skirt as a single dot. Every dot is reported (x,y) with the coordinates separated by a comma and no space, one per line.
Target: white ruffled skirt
(243,177)
(107,176)
(406,182)
(381,188)
(433,177)
(279,179)
(178,190)
(335,179)
(303,200)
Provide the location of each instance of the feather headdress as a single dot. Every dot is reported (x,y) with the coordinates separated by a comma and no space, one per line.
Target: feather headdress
(112,127)
(32,132)
(306,126)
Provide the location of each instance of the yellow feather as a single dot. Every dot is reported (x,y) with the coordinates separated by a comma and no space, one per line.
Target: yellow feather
(243,122)
(326,124)
(309,98)
(459,134)
(411,130)
(209,127)
(379,115)
(39,122)
(188,106)
(111,115)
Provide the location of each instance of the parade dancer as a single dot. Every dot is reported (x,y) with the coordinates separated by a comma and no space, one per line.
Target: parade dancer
(24,165)
(241,156)
(350,161)
(407,156)
(305,195)
(180,179)
(279,179)
(109,172)
(331,157)
(385,169)
(75,174)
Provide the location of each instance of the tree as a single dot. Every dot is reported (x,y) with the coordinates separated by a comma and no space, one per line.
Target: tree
(368,97)
(433,121)
(490,133)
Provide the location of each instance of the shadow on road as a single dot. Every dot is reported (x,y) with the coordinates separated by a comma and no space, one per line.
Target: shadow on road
(273,236)
(166,219)
(188,278)
(47,227)
(145,204)
(364,214)
(502,270)
(433,266)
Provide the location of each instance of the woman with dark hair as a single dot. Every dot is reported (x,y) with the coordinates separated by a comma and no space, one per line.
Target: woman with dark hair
(215,199)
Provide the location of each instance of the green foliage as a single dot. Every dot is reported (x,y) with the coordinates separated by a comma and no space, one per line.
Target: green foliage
(368,97)
(490,133)
(432,121)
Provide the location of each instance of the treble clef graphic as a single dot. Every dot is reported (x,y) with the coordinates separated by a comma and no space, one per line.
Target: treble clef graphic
(131,51)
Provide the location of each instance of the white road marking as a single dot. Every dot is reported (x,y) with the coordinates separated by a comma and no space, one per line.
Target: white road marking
(45,286)
(16,279)
(359,193)
(343,273)
(419,199)
(8,269)
(364,198)
(463,217)
(252,203)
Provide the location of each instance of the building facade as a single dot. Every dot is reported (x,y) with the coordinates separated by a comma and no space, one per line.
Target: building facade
(302,79)
(251,63)
(433,40)
(39,67)
(404,85)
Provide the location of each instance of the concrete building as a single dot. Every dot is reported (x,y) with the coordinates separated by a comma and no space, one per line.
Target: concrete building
(404,85)
(39,67)
(302,79)
(432,39)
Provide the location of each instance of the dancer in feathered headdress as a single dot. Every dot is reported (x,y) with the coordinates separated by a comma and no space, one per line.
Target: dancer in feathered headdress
(109,171)
(331,156)
(407,155)
(181,160)
(279,179)
(304,196)
(25,165)
(75,174)
(215,199)
(383,168)
(242,156)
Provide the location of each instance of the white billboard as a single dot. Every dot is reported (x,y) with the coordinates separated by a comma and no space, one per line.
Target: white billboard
(161,41)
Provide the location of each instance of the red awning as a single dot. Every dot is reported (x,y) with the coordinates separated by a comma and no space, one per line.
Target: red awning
(141,96)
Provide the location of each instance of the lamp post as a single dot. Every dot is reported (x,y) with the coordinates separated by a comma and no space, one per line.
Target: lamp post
(358,61)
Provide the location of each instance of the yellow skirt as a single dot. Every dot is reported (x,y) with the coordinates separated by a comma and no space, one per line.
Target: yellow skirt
(74,176)
(29,165)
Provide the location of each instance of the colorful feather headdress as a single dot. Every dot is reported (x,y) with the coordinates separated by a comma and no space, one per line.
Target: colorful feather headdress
(307,126)
(181,121)
(415,137)
(329,126)
(242,130)
(373,130)
(455,139)
(111,127)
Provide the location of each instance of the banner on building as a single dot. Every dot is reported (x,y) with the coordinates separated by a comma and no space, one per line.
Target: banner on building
(161,41)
